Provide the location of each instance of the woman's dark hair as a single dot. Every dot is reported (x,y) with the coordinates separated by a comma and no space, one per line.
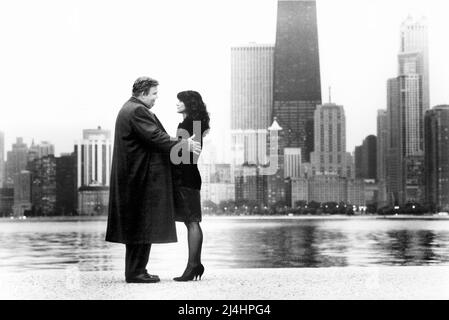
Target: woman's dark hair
(195,107)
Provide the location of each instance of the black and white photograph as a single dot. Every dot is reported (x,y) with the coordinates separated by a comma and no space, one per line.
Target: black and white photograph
(244,151)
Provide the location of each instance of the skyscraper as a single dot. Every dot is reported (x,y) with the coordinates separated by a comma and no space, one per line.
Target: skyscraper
(22,193)
(277,189)
(297,83)
(408,99)
(6,201)
(2,159)
(94,157)
(43,180)
(66,190)
(437,157)
(16,161)
(358,151)
(405,148)
(329,156)
(382,151)
(37,151)
(369,157)
(382,139)
(251,101)
(413,55)
(292,162)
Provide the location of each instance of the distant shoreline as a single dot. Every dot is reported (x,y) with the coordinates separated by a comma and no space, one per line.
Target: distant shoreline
(255,217)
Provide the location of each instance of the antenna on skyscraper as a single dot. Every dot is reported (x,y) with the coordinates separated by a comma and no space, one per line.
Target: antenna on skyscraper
(330,100)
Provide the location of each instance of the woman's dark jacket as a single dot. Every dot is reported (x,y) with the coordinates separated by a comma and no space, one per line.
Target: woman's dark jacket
(186,173)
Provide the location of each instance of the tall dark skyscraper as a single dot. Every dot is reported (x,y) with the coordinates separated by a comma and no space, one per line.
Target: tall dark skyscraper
(436,133)
(297,83)
(369,157)
(66,188)
(358,152)
(43,185)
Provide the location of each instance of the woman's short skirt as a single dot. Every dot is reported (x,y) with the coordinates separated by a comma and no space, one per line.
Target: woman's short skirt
(187,204)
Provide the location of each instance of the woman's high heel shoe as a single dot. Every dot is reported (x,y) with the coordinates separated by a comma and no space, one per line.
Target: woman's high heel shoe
(191,273)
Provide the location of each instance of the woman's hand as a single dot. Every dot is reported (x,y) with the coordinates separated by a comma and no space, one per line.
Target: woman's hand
(194,146)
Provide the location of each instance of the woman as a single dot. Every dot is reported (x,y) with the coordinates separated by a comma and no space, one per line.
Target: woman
(187,180)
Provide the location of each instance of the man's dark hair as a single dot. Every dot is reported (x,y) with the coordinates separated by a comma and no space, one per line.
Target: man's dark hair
(142,85)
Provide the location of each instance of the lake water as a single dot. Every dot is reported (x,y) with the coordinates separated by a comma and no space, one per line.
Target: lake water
(233,243)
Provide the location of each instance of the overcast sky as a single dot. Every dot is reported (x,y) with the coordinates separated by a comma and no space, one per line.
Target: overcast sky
(69,65)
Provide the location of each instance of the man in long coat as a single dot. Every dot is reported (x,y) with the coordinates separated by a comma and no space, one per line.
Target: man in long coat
(141,209)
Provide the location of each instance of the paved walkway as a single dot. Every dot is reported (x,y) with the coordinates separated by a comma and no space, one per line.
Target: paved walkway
(240,284)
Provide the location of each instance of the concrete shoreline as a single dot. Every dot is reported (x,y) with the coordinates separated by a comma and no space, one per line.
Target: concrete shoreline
(255,217)
(347,283)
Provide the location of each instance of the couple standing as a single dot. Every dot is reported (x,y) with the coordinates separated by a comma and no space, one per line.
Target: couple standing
(150,189)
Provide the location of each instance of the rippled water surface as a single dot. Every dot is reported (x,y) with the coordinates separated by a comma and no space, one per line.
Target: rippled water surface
(233,243)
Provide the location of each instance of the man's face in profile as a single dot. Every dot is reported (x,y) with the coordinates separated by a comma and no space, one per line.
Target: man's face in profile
(150,99)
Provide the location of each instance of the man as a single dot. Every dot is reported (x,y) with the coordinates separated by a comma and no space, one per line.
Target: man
(141,209)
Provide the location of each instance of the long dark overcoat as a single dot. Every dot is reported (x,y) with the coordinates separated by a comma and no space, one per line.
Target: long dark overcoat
(141,208)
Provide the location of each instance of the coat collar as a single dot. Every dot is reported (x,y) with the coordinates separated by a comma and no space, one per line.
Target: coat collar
(135,100)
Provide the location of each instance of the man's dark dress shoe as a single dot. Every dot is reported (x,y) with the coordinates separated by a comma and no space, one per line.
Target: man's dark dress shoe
(143,278)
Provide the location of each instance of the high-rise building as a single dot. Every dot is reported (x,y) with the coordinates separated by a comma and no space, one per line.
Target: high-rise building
(299,190)
(369,157)
(94,155)
(250,185)
(251,101)
(6,202)
(356,192)
(405,146)
(382,139)
(329,156)
(251,86)
(218,182)
(292,162)
(437,157)
(358,152)
(382,151)
(43,149)
(408,99)
(405,112)
(221,186)
(413,54)
(264,184)
(297,82)
(276,185)
(66,187)
(16,161)
(2,159)
(22,194)
(43,181)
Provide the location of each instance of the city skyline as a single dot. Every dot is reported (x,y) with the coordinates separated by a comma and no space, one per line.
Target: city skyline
(82,45)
